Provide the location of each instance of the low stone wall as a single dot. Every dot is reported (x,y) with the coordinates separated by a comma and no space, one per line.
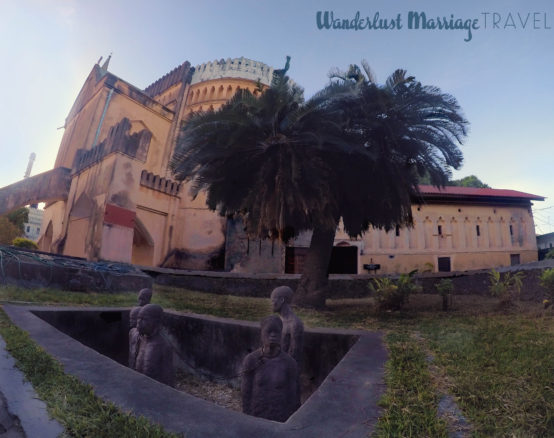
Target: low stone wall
(342,286)
(34,269)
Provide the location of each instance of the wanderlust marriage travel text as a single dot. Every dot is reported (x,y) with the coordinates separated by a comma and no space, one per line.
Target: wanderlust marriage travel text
(328,20)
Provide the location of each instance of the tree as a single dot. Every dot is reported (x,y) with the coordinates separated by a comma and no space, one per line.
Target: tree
(8,231)
(19,217)
(468,181)
(396,133)
(353,151)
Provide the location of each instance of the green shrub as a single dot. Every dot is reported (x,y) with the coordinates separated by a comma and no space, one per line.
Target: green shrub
(506,287)
(547,282)
(22,242)
(445,287)
(550,254)
(391,295)
(428,267)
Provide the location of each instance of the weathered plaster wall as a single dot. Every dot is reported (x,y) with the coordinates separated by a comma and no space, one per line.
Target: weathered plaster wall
(141,117)
(251,255)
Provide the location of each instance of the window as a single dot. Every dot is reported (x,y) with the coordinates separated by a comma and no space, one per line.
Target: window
(477,230)
(511,230)
(439,230)
(397,231)
(38,229)
(28,228)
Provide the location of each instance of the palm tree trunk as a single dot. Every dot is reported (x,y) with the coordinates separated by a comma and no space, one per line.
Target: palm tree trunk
(312,289)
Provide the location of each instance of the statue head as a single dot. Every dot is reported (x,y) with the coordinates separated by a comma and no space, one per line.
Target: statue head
(149,319)
(279,296)
(144,297)
(272,328)
(133,316)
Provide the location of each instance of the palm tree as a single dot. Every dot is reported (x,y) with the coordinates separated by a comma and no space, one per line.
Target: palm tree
(353,151)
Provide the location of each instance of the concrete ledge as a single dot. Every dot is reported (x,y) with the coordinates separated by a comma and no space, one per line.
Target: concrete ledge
(344,405)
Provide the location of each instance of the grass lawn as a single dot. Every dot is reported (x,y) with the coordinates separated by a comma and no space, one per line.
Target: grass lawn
(497,364)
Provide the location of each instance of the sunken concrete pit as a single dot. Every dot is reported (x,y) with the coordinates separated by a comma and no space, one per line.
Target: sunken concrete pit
(342,374)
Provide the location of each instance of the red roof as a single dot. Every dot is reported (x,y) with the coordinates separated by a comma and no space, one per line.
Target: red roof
(455,191)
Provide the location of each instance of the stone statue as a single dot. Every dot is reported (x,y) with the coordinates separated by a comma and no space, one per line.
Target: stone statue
(134,336)
(292,341)
(269,385)
(144,297)
(155,356)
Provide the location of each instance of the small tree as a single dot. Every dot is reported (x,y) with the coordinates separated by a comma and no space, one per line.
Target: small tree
(547,282)
(506,287)
(445,287)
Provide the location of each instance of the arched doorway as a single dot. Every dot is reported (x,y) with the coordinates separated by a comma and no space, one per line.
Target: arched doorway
(143,245)
(344,259)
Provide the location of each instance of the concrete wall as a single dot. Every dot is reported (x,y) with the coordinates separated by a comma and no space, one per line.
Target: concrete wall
(345,286)
(105,332)
(205,346)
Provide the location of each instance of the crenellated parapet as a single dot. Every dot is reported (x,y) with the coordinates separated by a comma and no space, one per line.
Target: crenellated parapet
(242,68)
(158,183)
(175,76)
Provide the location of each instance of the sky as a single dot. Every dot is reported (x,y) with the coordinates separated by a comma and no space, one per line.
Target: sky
(501,77)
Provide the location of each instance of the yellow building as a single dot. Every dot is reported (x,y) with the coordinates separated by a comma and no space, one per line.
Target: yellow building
(455,229)
(122,204)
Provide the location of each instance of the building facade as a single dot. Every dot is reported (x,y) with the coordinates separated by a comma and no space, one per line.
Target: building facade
(545,243)
(123,205)
(32,226)
(454,229)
